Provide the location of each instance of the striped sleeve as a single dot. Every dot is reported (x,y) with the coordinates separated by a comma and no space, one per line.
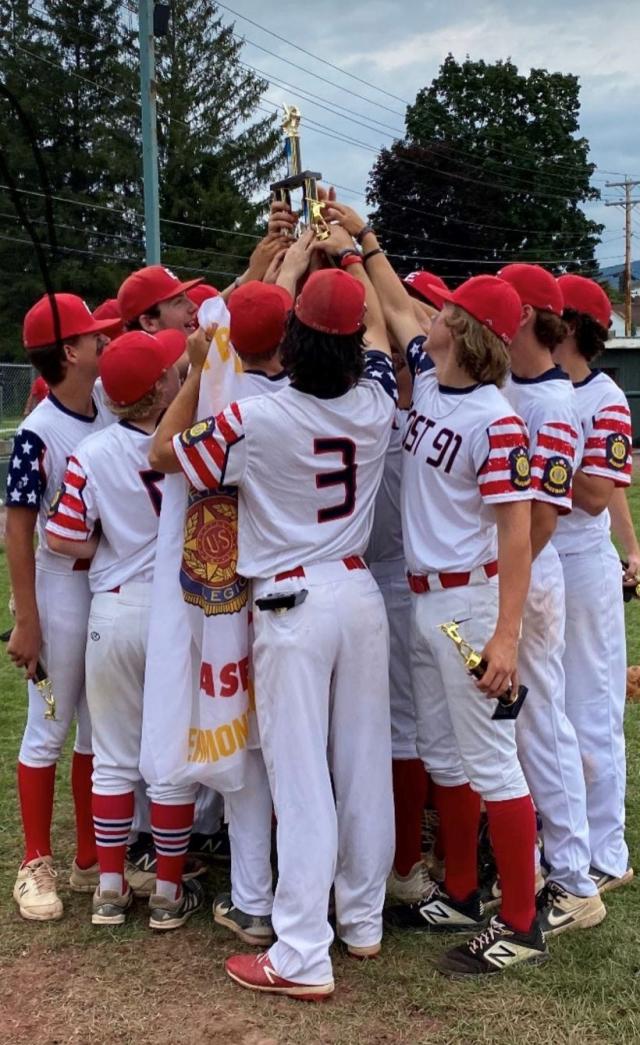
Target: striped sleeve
(505,473)
(213,452)
(553,462)
(72,515)
(607,449)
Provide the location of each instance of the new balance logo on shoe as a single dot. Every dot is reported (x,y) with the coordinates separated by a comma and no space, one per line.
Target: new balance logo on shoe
(23,888)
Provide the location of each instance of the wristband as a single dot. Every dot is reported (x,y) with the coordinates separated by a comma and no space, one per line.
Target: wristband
(371,254)
(352,258)
(363,232)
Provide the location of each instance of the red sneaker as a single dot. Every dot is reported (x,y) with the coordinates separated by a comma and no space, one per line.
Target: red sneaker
(258,974)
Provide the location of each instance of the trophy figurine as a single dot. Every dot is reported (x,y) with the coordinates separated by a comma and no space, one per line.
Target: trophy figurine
(299,179)
(42,683)
(509,704)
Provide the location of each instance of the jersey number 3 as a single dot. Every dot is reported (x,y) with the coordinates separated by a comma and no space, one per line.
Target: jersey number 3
(151,478)
(345,476)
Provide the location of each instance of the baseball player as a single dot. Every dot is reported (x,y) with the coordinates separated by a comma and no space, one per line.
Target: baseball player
(140,379)
(258,314)
(547,744)
(52,594)
(409,878)
(308,462)
(465,519)
(595,654)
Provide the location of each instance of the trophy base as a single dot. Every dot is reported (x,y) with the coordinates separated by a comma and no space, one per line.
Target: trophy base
(295,181)
(512,710)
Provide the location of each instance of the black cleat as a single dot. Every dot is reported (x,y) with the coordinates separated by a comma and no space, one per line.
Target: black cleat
(493,951)
(214,848)
(438,912)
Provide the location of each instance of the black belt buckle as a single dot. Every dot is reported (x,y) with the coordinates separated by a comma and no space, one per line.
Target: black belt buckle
(512,709)
(280,602)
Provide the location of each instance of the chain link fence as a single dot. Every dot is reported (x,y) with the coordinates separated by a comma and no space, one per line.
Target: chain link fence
(15,382)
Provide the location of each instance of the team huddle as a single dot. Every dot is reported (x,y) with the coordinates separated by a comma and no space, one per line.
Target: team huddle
(410,463)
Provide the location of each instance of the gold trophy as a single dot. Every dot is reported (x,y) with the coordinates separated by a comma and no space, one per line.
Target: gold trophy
(509,704)
(42,683)
(299,179)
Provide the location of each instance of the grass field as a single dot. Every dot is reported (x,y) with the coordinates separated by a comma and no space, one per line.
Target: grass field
(66,982)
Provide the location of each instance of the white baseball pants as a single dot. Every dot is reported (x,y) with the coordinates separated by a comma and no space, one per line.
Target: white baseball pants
(547,742)
(595,662)
(250,814)
(458,740)
(116,655)
(322,699)
(392,581)
(63,606)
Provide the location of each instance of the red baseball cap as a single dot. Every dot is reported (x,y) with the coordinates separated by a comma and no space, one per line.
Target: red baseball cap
(132,363)
(585,295)
(491,301)
(535,285)
(109,310)
(201,293)
(148,287)
(74,317)
(421,285)
(258,316)
(332,302)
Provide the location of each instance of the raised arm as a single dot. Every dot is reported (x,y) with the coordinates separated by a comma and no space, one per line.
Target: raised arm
(395,302)
(180,413)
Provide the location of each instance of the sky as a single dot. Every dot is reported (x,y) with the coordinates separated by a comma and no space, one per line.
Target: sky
(398,46)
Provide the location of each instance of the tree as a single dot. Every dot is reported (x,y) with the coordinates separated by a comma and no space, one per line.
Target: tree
(490,171)
(215,158)
(70,67)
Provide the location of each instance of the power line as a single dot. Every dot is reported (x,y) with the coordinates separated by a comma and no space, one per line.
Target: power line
(339,69)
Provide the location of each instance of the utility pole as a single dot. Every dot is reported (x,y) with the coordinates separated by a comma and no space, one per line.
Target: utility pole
(628,184)
(148,92)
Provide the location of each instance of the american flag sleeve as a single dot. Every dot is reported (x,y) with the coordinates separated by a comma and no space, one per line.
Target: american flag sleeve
(505,472)
(204,450)
(70,515)
(553,462)
(607,449)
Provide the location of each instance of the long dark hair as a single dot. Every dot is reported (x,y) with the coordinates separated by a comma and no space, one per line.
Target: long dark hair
(323,365)
(590,336)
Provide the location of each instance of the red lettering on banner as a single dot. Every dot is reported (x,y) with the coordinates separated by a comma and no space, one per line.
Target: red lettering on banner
(206,679)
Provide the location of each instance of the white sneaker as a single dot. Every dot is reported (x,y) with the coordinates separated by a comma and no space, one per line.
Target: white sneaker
(606,882)
(493,897)
(84,880)
(560,910)
(411,887)
(35,891)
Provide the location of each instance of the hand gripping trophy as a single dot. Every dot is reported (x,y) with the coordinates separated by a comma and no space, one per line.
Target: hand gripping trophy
(299,179)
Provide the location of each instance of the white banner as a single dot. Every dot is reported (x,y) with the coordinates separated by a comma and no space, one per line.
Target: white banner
(196,715)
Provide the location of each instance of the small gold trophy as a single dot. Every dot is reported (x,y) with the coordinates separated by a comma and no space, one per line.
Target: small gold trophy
(299,179)
(42,683)
(509,704)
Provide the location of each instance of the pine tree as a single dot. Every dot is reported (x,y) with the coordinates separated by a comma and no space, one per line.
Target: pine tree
(72,69)
(216,160)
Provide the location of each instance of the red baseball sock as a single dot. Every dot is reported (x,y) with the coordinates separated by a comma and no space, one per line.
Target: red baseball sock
(171,829)
(512,829)
(35,789)
(81,770)
(438,845)
(112,819)
(459,810)
(409,799)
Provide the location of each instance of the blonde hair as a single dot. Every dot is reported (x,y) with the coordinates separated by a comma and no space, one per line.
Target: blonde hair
(141,408)
(478,350)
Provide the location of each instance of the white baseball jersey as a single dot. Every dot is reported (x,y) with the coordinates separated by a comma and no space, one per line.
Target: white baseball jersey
(41,448)
(257,383)
(464,451)
(548,406)
(308,469)
(108,481)
(606,430)
(385,543)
